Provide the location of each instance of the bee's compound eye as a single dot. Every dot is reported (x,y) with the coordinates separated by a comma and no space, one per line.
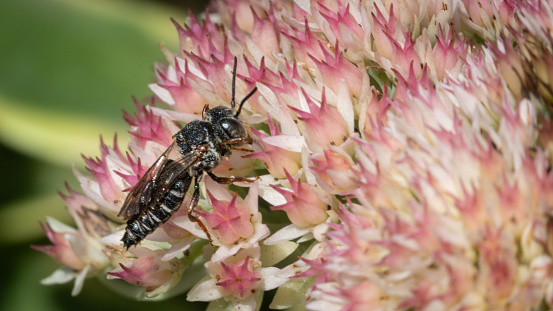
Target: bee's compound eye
(233,128)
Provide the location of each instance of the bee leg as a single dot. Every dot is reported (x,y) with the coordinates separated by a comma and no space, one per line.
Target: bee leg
(238,141)
(197,220)
(230,180)
(206,108)
(192,206)
(242,149)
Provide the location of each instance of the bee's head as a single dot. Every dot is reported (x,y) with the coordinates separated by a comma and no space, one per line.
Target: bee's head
(228,122)
(226,118)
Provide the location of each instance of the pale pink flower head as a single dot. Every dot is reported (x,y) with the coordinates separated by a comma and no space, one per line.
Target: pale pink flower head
(407,142)
(229,221)
(104,177)
(238,279)
(363,296)
(498,265)
(324,125)
(146,126)
(306,44)
(304,207)
(335,170)
(480,11)
(265,33)
(385,32)
(277,159)
(394,46)
(336,68)
(149,271)
(78,250)
(185,98)
(61,250)
(511,65)
(448,54)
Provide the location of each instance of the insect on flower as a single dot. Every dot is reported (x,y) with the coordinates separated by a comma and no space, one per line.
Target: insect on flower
(197,148)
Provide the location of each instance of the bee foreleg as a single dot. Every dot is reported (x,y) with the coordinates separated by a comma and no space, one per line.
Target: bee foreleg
(238,141)
(230,180)
(206,108)
(242,149)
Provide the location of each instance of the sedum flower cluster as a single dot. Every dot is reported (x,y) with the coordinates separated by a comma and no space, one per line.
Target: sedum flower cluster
(403,151)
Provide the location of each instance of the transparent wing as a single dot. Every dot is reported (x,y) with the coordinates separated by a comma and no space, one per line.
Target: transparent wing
(157,181)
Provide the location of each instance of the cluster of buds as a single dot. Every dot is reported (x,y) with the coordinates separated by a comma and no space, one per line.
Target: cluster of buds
(402,149)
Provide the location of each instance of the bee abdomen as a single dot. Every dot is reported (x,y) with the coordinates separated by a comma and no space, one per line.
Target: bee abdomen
(147,221)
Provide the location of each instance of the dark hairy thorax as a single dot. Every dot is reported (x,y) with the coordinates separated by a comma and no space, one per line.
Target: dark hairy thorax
(202,136)
(208,136)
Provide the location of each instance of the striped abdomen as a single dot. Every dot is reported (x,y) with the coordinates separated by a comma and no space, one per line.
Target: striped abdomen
(148,220)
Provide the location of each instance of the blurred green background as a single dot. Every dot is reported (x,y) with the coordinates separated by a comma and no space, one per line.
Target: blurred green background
(67,70)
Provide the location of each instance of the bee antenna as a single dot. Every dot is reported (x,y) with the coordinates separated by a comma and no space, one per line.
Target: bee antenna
(244,100)
(232,103)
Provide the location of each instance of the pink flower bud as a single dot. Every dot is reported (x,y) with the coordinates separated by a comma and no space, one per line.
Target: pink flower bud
(238,279)
(61,250)
(304,207)
(228,220)
(148,271)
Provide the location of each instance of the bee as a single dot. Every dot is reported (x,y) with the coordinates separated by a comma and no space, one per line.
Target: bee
(197,148)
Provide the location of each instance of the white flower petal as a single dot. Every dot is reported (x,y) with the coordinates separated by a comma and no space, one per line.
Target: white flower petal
(248,304)
(294,269)
(304,5)
(178,247)
(220,305)
(319,231)
(271,195)
(306,237)
(287,124)
(287,233)
(257,53)
(174,116)
(79,281)
(287,142)
(114,238)
(60,276)
(78,244)
(114,164)
(268,101)
(303,102)
(251,200)
(205,290)
(324,305)
(192,227)
(91,189)
(206,90)
(261,231)
(225,251)
(192,68)
(255,119)
(271,278)
(58,226)
(345,106)
(162,93)
(306,163)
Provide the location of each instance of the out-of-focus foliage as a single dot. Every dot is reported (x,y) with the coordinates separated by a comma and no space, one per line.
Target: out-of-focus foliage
(68,68)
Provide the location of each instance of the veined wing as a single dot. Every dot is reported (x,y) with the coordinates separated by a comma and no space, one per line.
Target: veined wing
(157,181)
(139,196)
(173,171)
